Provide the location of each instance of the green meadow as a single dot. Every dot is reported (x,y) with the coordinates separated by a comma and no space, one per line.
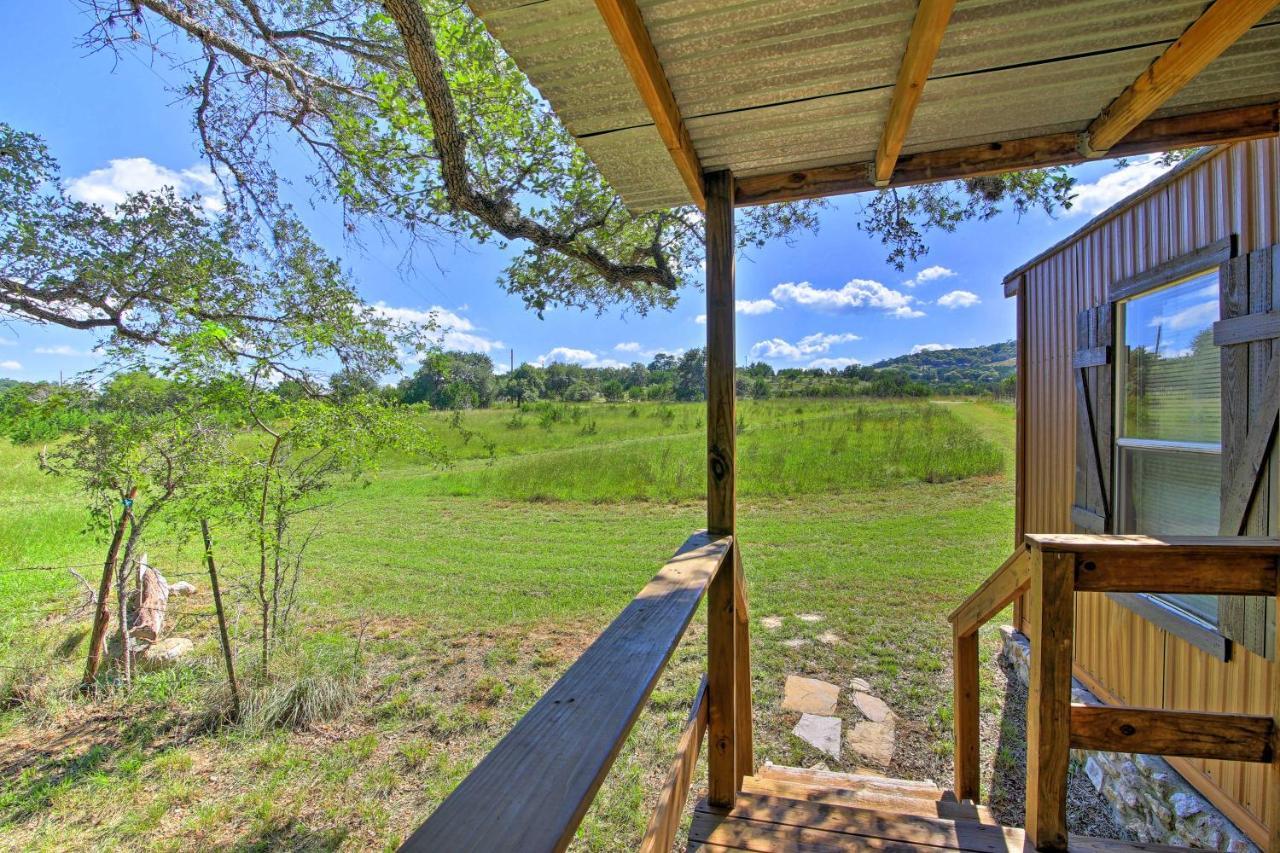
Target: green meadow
(461,591)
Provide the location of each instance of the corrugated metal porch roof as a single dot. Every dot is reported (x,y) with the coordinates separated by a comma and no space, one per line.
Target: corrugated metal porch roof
(769,86)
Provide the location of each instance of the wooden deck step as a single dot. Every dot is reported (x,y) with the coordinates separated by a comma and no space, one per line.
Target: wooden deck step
(785,809)
(871,798)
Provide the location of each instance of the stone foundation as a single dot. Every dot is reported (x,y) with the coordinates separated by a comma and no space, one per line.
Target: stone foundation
(1149,797)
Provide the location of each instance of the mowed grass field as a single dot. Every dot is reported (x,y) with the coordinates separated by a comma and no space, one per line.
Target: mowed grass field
(463,592)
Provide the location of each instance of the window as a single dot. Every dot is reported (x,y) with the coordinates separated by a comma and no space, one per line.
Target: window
(1169,440)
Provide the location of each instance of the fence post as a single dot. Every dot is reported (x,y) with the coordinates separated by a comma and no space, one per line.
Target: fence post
(1051,608)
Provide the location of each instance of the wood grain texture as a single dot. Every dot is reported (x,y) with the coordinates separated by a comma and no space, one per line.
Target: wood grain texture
(1051,602)
(993,158)
(927,29)
(626,25)
(531,791)
(1205,257)
(1204,41)
(1153,731)
(721,428)
(1136,544)
(743,736)
(1191,571)
(996,592)
(722,756)
(965,717)
(660,835)
(869,798)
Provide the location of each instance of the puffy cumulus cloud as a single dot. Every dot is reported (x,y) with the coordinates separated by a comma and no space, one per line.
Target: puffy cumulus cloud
(569,355)
(111,185)
(628,346)
(752,307)
(929,274)
(1191,317)
(807,346)
(837,363)
(10,364)
(1093,198)
(919,348)
(857,295)
(454,331)
(958,299)
(701,319)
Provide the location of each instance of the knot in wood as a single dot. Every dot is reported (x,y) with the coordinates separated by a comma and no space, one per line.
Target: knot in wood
(1088,565)
(1127,729)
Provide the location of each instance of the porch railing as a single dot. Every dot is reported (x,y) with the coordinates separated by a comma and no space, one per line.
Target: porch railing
(533,789)
(1049,569)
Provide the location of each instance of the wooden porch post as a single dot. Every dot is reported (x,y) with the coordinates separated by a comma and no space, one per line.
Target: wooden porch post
(722,624)
(1051,609)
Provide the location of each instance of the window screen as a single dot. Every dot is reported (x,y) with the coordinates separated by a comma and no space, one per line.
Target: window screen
(1170,420)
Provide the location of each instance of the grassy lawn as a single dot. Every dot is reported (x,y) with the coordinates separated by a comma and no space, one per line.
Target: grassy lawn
(464,592)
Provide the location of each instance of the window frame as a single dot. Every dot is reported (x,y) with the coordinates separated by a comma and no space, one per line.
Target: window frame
(1163,611)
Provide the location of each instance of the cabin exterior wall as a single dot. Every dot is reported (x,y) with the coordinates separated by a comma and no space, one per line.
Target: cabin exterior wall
(1119,654)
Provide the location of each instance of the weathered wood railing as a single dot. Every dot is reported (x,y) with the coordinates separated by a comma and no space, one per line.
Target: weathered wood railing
(1050,569)
(532,790)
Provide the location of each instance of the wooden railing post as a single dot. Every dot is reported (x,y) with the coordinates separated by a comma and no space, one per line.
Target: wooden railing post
(965,716)
(1051,608)
(746,762)
(722,625)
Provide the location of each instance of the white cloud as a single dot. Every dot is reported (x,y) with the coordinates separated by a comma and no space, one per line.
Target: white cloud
(112,185)
(806,346)
(1093,198)
(569,355)
(628,346)
(63,349)
(857,294)
(10,365)
(918,348)
(827,363)
(958,299)
(1193,317)
(454,331)
(929,274)
(753,307)
(750,307)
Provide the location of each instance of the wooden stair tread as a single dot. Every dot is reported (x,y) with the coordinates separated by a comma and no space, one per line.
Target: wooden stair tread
(870,798)
(777,814)
(852,781)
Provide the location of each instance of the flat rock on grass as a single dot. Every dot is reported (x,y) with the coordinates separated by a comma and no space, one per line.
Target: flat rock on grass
(861,685)
(873,708)
(873,742)
(821,733)
(809,617)
(810,696)
(773,623)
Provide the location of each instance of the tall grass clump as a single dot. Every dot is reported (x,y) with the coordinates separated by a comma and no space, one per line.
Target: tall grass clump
(312,686)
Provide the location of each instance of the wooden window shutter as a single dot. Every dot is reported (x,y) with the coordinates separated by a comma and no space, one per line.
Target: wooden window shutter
(1091,365)
(1249,335)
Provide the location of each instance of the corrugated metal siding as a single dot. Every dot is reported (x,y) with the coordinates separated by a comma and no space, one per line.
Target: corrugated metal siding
(777,85)
(1235,190)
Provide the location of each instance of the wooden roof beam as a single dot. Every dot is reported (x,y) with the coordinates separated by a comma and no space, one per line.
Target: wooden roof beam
(922,46)
(1204,41)
(626,25)
(992,158)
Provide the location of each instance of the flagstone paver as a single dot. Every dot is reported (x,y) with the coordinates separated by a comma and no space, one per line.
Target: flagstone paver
(861,685)
(873,742)
(810,696)
(820,732)
(873,708)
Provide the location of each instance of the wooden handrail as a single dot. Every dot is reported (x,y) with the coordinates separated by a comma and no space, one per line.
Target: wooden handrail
(996,593)
(532,790)
(664,823)
(1050,569)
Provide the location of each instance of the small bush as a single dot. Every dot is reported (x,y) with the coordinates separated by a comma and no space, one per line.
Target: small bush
(314,687)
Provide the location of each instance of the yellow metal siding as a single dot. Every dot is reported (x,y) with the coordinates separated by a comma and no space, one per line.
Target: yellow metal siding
(1232,191)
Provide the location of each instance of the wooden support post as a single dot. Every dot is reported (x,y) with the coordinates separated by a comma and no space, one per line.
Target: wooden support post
(746,761)
(1051,606)
(965,716)
(722,624)
(1271,808)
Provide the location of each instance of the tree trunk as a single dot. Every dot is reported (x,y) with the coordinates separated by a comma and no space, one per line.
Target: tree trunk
(222,618)
(122,602)
(102,615)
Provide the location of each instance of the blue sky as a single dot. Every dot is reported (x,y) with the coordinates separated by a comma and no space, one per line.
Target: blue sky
(825,299)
